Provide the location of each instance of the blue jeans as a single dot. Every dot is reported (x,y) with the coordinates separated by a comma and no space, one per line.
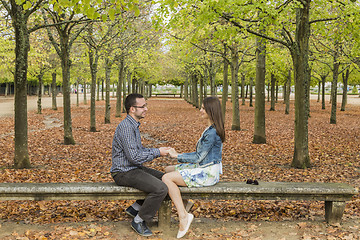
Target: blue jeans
(147,180)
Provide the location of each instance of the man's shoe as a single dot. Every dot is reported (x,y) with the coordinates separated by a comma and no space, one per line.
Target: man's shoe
(141,228)
(131,211)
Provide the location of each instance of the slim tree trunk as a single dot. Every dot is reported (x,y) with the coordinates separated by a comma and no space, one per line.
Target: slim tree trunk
(98,90)
(85,92)
(119,88)
(225,92)
(300,56)
(124,89)
(22,47)
(40,78)
(259,119)
(323,78)
(201,90)
(334,86)
(186,89)
(273,80)
(102,89)
(251,92)
(54,91)
(107,89)
(77,92)
(243,89)
(234,89)
(344,96)
(65,64)
(319,89)
(288,91)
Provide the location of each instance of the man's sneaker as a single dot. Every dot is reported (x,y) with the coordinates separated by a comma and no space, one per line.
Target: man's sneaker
(131,211)
(141,228)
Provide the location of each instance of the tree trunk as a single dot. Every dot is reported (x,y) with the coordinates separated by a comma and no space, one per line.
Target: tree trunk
(93,62)
(319,89)
(22,46)
(102,89)
(107,89)
(259,119)
(251,92)
(195,95)
(40,78)
(119,88)
(85,99)
(201,91)
(334,86)
(300,56)
(288,92)
(323,78)
(344,96)
(242,89)
(65,64)
(234,89)
(124,89)
(273,82)
(54,91)
(98,90)
(186,89)
(77,92)
(225,90)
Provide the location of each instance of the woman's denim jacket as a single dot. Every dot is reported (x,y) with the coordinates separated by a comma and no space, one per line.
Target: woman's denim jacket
(208,149)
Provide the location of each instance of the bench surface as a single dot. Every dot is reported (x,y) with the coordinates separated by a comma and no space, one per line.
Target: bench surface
(222,190)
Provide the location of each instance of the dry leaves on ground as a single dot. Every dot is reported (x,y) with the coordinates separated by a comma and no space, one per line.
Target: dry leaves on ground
(334,152)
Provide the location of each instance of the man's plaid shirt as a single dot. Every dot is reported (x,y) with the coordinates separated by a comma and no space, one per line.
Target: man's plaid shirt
(127,151)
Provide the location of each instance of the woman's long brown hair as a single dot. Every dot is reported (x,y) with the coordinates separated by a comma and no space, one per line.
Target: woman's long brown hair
(212,107)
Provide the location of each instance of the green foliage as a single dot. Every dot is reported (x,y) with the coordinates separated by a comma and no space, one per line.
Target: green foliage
(354,90)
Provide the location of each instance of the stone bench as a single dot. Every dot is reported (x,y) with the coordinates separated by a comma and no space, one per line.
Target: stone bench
(165,94)
(334,195)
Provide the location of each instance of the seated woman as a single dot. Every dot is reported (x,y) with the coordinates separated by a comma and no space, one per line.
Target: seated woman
(200,168)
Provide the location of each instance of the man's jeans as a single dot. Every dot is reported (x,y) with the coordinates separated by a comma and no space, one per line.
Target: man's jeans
(149,181)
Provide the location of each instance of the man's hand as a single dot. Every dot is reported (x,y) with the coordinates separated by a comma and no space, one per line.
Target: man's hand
(164,151)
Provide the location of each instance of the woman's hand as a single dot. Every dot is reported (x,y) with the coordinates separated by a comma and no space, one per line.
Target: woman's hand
(173,153)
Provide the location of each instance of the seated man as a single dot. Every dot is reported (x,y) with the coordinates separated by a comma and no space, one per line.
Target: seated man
(128,156)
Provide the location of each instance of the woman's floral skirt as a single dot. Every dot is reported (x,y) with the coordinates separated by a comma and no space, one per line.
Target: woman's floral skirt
(197,176)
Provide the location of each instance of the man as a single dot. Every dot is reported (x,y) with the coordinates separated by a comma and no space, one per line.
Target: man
(128,156)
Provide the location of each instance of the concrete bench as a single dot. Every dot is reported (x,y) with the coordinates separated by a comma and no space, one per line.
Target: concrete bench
(165,94)
(334,195)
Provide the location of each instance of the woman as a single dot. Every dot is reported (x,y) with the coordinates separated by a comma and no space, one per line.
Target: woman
(199,168)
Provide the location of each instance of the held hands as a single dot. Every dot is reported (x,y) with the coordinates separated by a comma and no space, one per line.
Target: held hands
(173,153)
(164,151)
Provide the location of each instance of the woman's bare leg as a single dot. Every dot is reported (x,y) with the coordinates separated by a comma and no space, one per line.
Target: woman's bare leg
(170,169)
(172,181)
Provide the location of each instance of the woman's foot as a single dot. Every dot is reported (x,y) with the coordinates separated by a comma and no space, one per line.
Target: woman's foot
(185,227)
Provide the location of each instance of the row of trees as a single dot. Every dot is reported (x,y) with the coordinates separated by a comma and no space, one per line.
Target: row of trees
(193,44)
(268,39)
(42,36)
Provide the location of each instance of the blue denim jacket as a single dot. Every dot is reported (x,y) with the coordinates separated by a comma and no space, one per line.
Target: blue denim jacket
(208,149)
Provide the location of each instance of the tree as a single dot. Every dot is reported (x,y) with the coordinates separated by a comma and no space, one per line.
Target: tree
(20,12)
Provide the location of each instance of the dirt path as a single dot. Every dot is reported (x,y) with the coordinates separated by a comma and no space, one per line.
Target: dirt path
(200,229)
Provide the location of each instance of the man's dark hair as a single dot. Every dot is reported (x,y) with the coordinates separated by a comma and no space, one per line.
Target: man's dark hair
(131,100)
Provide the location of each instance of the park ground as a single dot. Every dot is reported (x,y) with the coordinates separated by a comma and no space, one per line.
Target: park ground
(334,151)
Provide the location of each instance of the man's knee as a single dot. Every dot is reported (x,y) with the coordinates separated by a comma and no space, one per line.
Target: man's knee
(162,189)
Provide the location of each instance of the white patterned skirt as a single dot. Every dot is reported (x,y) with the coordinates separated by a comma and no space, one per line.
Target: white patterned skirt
(197,176)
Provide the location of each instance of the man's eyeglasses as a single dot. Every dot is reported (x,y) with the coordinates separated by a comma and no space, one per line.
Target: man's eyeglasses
(143,106)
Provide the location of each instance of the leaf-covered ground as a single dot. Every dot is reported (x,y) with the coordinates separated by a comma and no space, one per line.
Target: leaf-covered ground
(334,152)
